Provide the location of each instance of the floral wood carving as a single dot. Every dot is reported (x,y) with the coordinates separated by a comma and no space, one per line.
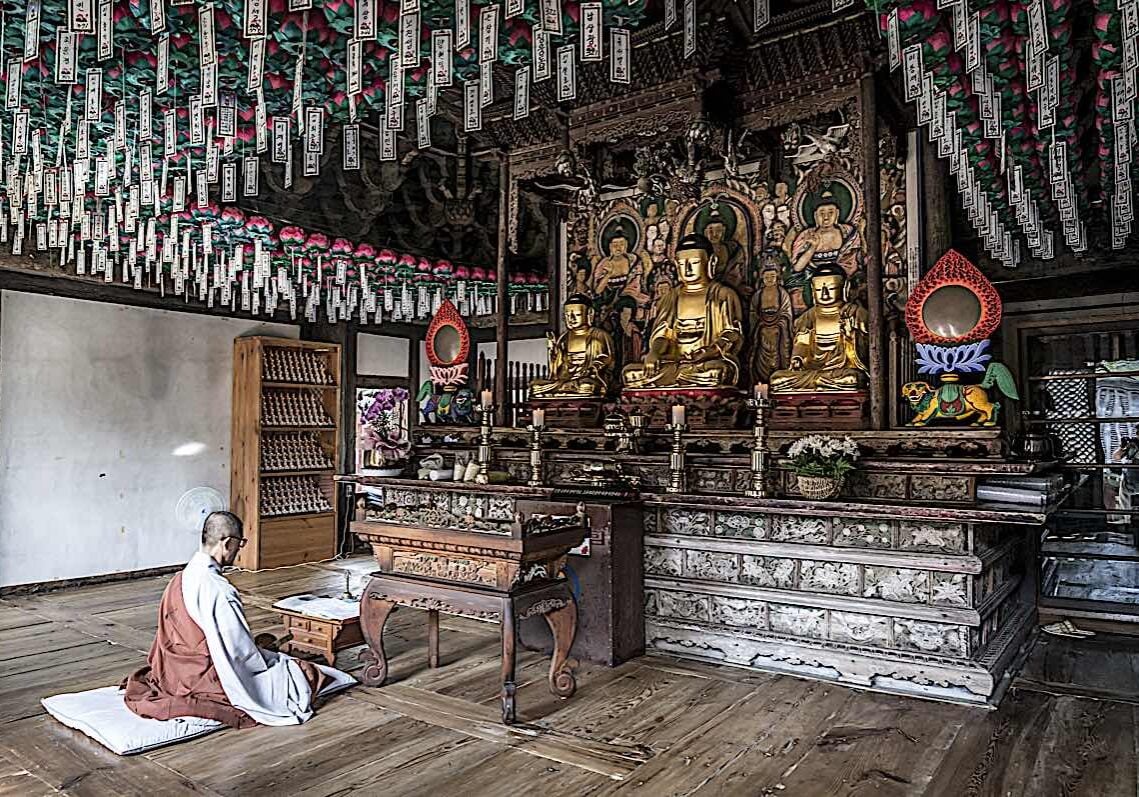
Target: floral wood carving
(434,605)
(544,607)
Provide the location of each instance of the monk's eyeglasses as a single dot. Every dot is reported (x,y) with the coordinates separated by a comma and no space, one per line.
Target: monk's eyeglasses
(240,541)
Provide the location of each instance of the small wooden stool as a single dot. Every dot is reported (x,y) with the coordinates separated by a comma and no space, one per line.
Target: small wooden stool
(550,599)
(320,635)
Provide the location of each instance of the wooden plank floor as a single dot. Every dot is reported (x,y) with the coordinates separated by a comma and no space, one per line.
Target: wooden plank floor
(655,726)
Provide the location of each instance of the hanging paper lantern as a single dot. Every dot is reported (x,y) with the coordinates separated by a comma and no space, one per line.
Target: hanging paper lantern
(316,244)
(259,225)
(292,237)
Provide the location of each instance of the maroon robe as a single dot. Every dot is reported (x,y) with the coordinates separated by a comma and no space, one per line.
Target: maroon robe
(179,679)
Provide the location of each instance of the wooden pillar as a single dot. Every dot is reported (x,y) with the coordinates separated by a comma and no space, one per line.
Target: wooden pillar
(502,331)
(879,392)
(415,381)
(554,262)
(935,219)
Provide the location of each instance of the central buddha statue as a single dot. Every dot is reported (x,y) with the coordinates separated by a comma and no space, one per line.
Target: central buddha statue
(830,341)
(698,329)
(581,358)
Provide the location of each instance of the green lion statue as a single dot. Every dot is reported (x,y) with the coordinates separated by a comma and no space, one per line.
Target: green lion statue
(954,402)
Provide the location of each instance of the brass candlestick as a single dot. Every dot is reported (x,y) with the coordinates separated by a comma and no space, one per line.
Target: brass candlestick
(636,431)
(536,477)
(483,476)
(676,480)
(760,456)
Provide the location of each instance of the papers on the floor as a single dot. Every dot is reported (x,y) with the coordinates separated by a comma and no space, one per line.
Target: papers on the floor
(1066,628)
(317,606)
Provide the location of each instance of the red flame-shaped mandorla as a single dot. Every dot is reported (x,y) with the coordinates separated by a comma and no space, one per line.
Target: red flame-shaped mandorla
(448,315)
(953,268)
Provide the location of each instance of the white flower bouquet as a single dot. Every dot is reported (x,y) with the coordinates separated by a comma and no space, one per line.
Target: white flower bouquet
(821,456)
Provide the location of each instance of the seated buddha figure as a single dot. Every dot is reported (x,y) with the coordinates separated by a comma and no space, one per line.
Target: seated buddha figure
(697,332)
(581,358)
(828,353)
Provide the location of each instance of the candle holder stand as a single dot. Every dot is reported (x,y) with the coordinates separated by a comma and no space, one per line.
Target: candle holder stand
(676,480)
(537,478)
(483,476)
(636,431)
(760,455)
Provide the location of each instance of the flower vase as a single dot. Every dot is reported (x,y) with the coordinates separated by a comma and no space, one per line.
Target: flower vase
(819,488)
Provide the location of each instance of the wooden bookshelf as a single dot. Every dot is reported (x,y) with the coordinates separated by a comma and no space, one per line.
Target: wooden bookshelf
(285,438)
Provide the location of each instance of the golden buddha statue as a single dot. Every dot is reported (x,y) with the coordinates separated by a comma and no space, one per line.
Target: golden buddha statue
(830,341)
(697,332)
(581,358)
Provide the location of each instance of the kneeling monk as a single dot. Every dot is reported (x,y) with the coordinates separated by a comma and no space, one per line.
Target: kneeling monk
(204,661)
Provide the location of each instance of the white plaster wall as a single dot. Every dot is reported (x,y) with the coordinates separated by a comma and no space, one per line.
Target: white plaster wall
(424,367)
(531,350)
(380,355)
(107,415)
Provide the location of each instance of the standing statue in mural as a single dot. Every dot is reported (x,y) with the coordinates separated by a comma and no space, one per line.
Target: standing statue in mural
(777,209)
(635,283)
(697,332)
(771,320)
(629,332)
(579,266)
(831,341)
(581,358)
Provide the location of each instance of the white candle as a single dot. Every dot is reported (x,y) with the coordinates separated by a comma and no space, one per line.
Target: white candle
(761,390)
(487,398)
(678,415)
(539,418)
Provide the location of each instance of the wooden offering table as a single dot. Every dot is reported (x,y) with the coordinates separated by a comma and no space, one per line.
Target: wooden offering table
(488,552)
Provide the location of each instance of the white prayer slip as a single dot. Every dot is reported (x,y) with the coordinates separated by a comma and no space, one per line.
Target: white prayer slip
(269,687)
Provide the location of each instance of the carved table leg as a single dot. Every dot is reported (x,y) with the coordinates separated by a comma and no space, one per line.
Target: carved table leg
(563,626)
(432,638)
(374,613)
(508,651)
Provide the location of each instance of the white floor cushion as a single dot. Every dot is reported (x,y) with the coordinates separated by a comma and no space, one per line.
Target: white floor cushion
(102,715)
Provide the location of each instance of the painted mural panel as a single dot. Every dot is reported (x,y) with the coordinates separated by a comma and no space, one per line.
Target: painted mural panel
(771,228)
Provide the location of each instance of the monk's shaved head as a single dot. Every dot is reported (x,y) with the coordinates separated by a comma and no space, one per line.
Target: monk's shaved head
(220,525)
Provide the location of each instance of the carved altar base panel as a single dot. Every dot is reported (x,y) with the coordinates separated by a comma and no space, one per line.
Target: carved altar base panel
(705,408)
(961,682)
(566,413)
(839,411)
(553,600)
